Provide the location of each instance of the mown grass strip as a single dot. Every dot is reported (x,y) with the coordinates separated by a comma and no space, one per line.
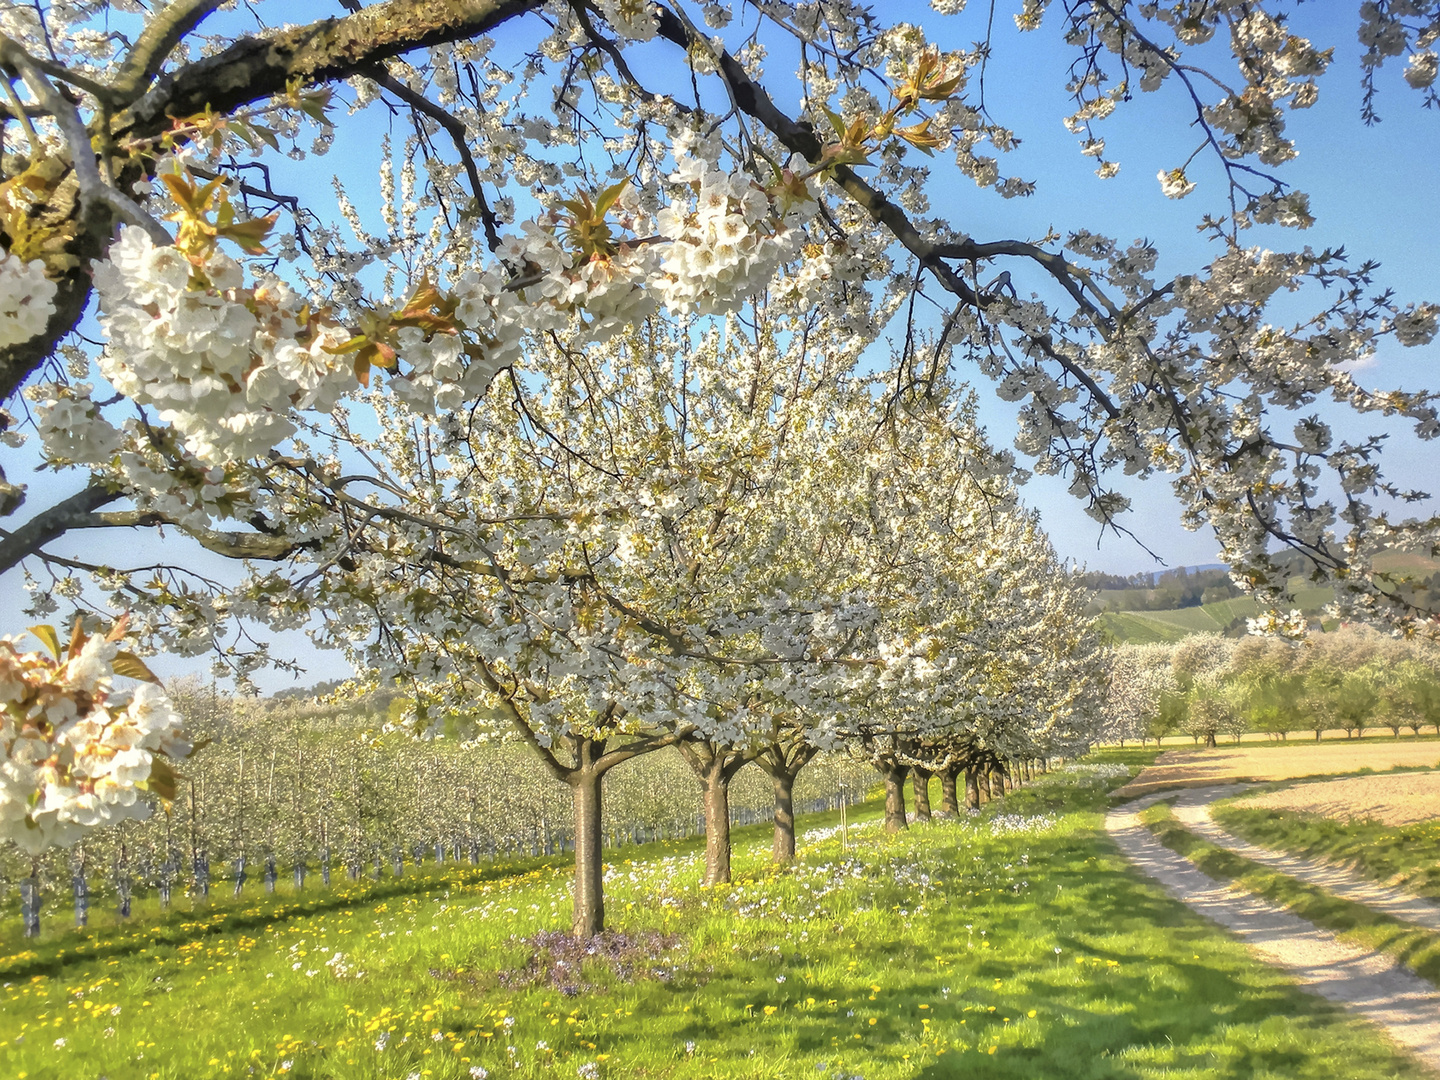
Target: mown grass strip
(1415,948)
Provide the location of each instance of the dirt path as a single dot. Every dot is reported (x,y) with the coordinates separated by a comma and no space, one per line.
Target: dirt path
(1367,983)
(1193,811)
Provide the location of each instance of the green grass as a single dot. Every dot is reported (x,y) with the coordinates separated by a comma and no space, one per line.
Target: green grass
(1017,944)
(1407,855)
(1224,612)
(1136,629)
(1416,948)
(1406,562)
(1192,620)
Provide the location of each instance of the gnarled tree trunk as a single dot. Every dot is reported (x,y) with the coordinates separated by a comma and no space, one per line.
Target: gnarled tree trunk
(921,779)
(949,800)
(972,788)
(783,848)
(717,827)
(715,765)
(589,889)
(783,764)
(894,775)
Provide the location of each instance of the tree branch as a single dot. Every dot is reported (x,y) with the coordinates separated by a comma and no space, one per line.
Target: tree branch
(259,67)
(53,523)
(458,135)
(157,41)
(233,545)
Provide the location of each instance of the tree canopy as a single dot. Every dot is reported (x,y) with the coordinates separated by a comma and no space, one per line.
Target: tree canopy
(626,389)
(570,168)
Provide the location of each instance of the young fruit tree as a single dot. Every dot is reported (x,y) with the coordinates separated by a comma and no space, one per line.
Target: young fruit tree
(623,553)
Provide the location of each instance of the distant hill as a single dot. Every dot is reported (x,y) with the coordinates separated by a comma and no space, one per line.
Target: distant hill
(1171,604)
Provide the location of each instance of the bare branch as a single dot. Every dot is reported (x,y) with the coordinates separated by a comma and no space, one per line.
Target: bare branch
(164,30)
(49,525)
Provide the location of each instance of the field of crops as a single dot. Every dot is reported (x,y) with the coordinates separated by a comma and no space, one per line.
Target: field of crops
(1402,799)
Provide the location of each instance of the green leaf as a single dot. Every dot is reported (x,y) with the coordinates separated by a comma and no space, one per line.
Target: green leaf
(609,196)
(163,779)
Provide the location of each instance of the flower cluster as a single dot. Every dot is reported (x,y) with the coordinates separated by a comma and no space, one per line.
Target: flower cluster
(77,753)
(72,427)
(221,360)
(27,299)
(727,244)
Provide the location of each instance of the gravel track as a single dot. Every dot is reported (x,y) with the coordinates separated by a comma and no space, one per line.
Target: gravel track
(1369,984)
(1193,811)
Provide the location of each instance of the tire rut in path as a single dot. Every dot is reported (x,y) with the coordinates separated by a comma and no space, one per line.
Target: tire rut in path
(1193,811)
(1369,984)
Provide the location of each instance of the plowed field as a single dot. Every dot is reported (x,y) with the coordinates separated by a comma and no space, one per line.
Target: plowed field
(1392,800)
(1191,768)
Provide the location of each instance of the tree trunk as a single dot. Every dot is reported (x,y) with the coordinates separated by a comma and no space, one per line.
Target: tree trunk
(1209,739)
(784,784)
(717,825)
(894,797)
(921,778)
(972,788)
(783,764)
(589,871)
(949,801)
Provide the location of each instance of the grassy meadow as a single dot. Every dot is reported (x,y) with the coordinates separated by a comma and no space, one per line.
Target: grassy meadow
(1011,944)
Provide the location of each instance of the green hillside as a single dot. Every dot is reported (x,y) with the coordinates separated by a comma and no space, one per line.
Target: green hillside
(1168,611)
(1140,629)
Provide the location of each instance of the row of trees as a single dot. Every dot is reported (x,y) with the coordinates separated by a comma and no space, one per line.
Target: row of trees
(1206,686)
(718,541)
(1173,589)
(723,539)
(582,429)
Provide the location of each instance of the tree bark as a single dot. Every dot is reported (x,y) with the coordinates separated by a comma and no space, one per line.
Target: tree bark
(921,779)
(717,825)
(714,765)
(972,788)
(589,870)
(782,762)
(894,796)
(783,782)
(949,800)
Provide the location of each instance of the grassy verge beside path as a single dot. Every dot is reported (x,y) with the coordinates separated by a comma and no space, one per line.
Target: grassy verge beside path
(1407,856)
(1015,944)
(1416,949)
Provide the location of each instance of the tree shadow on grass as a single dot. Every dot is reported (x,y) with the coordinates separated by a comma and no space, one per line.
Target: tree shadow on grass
(1158,991)
(237,915)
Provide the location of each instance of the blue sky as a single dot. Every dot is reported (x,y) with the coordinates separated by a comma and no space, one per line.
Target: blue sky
(1372,191)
